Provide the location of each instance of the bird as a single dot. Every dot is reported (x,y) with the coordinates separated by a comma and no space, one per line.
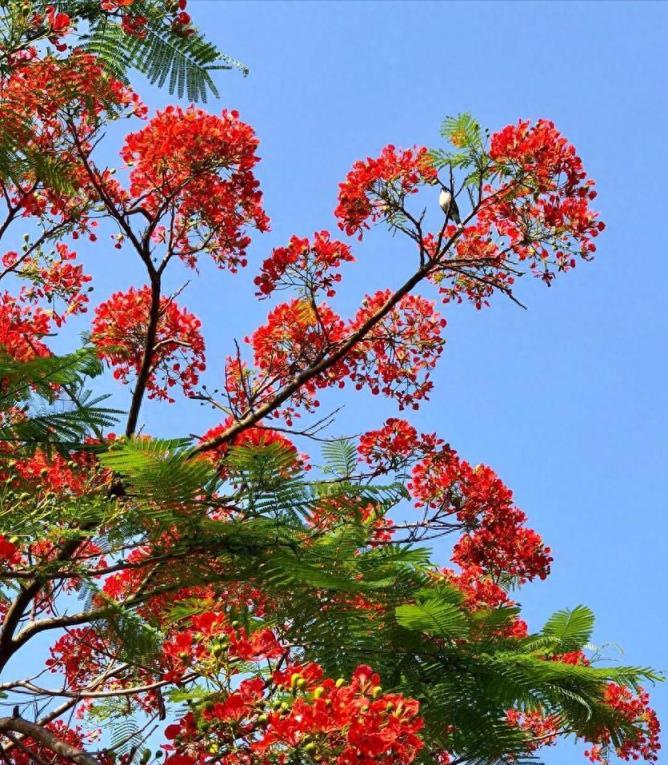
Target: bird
(448,204)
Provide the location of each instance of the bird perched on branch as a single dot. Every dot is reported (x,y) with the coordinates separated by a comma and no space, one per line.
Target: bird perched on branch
(448,204)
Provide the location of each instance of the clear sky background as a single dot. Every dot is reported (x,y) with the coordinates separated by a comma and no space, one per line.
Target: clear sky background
(568,400)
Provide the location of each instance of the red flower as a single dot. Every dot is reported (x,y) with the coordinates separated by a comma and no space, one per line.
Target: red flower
(199,166)
(535,215)
(377,187)
(542,729)
(119,332)
(9,552)
(297,335)
(495,539)
(59,23)
(395,444)
(22,328)
(302,263)
(396,356)
(54,277)
(633,709)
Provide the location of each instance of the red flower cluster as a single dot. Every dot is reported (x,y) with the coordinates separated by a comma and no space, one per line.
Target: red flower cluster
(198,167)
(119,332)
(22,328)
(59,23)
(541,154)
(377,187)
(211,639)
(54,278)
(635,710)
(296,336)
(131,23)
(481,591)
(539,215)
(9,552)
(79,655)
(534,215)
(47,103)
(495,538)
(395,444)
(542,730)
(257,436)
(477,254)
(321,720)
(56,24)
(549,195)
(311,265)
(32,751)
(42,472)
(395,357)
(53,25)
(573,657)
(114,5)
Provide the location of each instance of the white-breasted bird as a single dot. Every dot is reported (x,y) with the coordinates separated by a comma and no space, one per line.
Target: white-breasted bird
(447,203)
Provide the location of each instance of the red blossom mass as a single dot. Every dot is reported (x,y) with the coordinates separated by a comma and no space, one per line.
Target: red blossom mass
(199,166)
(534,213)
(495,539)
(297,335)
(634,708)
(345,723)
(393,359)
(22,328)
(32,750)
(395,444)
(9,552)
(119,332)
(48,104)
(228,636)
(311,265)
(54,278)
(373,185)
(396,356)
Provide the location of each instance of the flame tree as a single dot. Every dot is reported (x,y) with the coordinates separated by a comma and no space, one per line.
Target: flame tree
(230,598)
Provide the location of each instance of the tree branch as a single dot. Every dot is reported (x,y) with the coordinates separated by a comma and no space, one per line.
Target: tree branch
(47,739)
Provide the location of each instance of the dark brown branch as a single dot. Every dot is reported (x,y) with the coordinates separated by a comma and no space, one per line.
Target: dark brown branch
(251,418)
(47,739)
(147,361)
(24,598)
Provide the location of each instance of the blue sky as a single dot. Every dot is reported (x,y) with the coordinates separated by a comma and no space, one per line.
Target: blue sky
(567,400)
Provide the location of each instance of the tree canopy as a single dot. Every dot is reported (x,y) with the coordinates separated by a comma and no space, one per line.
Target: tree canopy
(263,592)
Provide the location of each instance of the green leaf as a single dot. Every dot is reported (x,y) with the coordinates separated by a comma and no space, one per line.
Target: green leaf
(160,469)
(435,617)
(462,131)
(573,628)
(340,457)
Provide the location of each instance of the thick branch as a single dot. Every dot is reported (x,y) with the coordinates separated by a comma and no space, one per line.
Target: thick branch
(22,601)
(147,361)
(47,739)
(259,413)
